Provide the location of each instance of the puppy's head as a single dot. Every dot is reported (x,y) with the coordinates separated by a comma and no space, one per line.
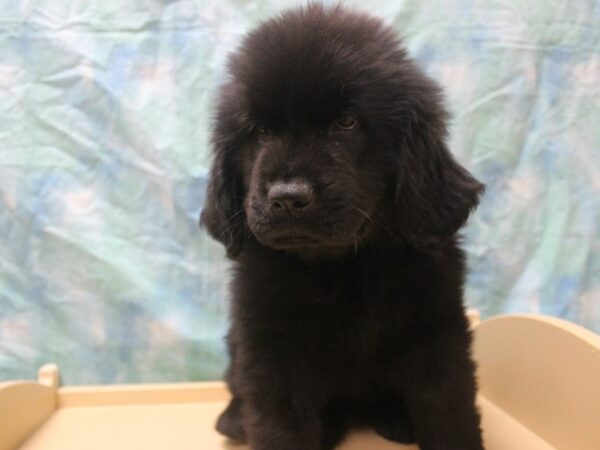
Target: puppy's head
(327,138)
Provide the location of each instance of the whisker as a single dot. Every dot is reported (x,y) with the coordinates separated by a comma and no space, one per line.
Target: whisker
(363,213)
(371,219)
(235,220)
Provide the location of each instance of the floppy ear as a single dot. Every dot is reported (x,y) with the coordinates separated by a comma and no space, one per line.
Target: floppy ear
(434,194)
(223,213)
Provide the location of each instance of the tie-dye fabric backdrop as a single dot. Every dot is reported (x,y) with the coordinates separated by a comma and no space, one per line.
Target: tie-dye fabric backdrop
(104,118)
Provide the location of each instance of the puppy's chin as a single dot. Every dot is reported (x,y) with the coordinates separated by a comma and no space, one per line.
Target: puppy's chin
(311,245)
(308,249)
(291,241)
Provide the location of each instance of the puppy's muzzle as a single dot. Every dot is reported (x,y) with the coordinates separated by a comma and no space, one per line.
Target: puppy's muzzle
(290,199)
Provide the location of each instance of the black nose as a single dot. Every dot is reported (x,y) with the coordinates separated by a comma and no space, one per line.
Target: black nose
(292,197)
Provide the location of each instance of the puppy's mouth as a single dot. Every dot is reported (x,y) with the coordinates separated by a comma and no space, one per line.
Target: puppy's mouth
(319,233)
(295,239)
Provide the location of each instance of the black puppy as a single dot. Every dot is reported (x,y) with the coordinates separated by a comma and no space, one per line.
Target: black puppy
(336,196)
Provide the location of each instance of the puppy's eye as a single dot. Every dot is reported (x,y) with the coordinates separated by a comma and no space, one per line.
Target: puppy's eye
(346,122)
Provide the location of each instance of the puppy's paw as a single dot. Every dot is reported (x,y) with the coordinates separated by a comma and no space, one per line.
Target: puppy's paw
(230,424)
(394,428)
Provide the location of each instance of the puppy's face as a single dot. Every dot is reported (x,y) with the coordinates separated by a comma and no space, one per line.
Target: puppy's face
(310,175)
(328,137)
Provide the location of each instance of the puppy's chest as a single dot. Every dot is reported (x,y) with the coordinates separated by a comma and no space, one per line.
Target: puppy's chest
(344,317)
(355,321)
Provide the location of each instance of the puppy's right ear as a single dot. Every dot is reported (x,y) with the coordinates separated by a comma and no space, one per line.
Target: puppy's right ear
(223,214)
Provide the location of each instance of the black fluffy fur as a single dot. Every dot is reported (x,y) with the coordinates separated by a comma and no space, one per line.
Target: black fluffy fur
(350,313)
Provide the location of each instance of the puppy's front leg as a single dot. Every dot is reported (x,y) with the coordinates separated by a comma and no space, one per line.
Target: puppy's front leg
(439,390)
(278,418)
(282,401)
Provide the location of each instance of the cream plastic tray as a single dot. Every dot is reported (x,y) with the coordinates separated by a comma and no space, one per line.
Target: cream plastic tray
(539,384)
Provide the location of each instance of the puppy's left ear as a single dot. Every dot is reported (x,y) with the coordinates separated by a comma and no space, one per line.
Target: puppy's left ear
(434,193)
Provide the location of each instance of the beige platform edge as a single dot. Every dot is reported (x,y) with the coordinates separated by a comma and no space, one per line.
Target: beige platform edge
(539,381)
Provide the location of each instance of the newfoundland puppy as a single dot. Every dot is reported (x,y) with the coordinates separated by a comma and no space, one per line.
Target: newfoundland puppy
(336,197)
